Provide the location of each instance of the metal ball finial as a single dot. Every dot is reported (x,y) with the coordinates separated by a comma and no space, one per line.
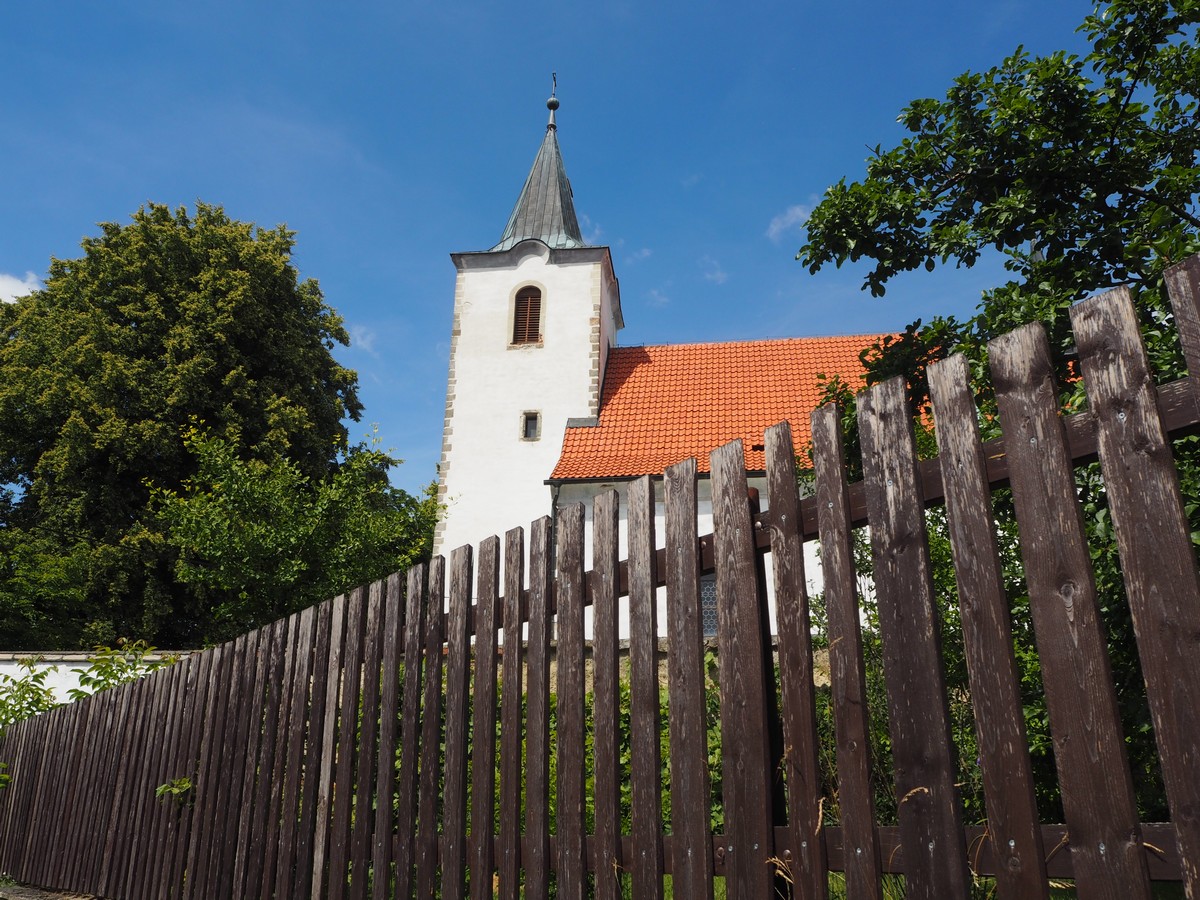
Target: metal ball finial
(552,104)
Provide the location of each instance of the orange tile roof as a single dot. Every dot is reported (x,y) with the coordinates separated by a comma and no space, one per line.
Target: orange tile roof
(662,404)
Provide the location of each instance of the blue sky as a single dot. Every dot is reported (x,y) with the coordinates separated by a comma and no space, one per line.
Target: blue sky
(388,135)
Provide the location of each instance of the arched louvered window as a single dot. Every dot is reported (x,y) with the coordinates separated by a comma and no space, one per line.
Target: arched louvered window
(527,316)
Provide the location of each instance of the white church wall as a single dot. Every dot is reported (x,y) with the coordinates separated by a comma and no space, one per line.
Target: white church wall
(494,478)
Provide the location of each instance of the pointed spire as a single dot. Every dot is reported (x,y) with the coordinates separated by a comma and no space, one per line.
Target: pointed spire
(545,211)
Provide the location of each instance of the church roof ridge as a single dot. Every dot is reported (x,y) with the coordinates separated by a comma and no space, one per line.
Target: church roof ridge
(545,209)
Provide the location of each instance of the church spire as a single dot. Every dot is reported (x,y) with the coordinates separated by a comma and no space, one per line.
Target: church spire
(545,210)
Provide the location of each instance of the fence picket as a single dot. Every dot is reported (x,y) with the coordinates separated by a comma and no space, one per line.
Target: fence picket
(508,843)
(569,814)
(922,753)
(645,725)
(410,743)
(364,819)
(323,814)
(254,737)
(606,697)
(746,768)
(428,805)
(806,865)
(536,858)
(691,862)
(314,750)
(300,731)
(342,798)
(1097,793)
(483,739)
(987,639)
(458,686)
(1154,538)
(392,626)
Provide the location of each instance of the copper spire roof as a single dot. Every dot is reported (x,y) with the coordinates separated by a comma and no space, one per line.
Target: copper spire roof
(663,404)
(545,210)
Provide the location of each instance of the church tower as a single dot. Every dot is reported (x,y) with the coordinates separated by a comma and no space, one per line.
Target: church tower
(534,319)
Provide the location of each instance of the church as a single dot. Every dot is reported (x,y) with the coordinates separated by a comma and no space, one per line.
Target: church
(545,408)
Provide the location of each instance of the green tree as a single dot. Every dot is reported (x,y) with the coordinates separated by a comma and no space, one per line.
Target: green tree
(1083,172)
(174,321)
(258,538)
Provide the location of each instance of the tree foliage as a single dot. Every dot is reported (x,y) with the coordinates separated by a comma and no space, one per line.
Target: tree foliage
(1082,171)
(172,322)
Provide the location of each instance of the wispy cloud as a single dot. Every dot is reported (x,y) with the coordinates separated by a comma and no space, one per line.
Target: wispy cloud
(363,338)
(592,232)
(657,297)
(12,287)
(691,181)
(788,221)
(712,270)
(639,255)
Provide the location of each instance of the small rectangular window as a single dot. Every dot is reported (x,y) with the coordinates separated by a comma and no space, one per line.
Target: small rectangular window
(531,426)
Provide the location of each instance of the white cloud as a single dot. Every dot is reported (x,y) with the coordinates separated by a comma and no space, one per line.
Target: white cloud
(592,232)
(657,297)
(713,271)
(639,255)
(363,338)
(788,221)
(12,287)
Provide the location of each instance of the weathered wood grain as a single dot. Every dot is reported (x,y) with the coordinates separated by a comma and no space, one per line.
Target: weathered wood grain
(571,764)
(536,858)
(392,624)
(987,639)
(606,706)
(804,857)
(922,753)
(1154,539)
(746,768)
(458,686)
(691,865)
(361,846)
(483,740)
(1097,793)
(429,804)
(410,720)
(508,844)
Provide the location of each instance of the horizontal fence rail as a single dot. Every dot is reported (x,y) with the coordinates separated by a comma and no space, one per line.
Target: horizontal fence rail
(453,731)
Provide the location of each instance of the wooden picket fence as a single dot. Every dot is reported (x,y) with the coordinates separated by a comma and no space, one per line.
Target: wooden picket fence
(389,742)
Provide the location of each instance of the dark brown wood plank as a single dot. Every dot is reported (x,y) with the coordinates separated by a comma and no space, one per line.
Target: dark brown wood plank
(314,750)
(343,795)
(746,767)
(300,731)
(458,688)
(260,824)
(225,831)
(512,740)
(1089,751)
(392,624)
(362,847)
(570,826)
(206,775)
(1154,540)
(430,796)
(606,702)
(116,851)
(483,740)
(254,739)
(278,771)
(1183,286)
(645,725)
(691,864)
(536,859)
(148,846)
(922,752)
(805,854)
(323,815)
(410,720)
(987,638)
(189,764)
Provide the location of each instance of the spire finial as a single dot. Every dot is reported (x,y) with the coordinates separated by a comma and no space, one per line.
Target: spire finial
(552,103)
